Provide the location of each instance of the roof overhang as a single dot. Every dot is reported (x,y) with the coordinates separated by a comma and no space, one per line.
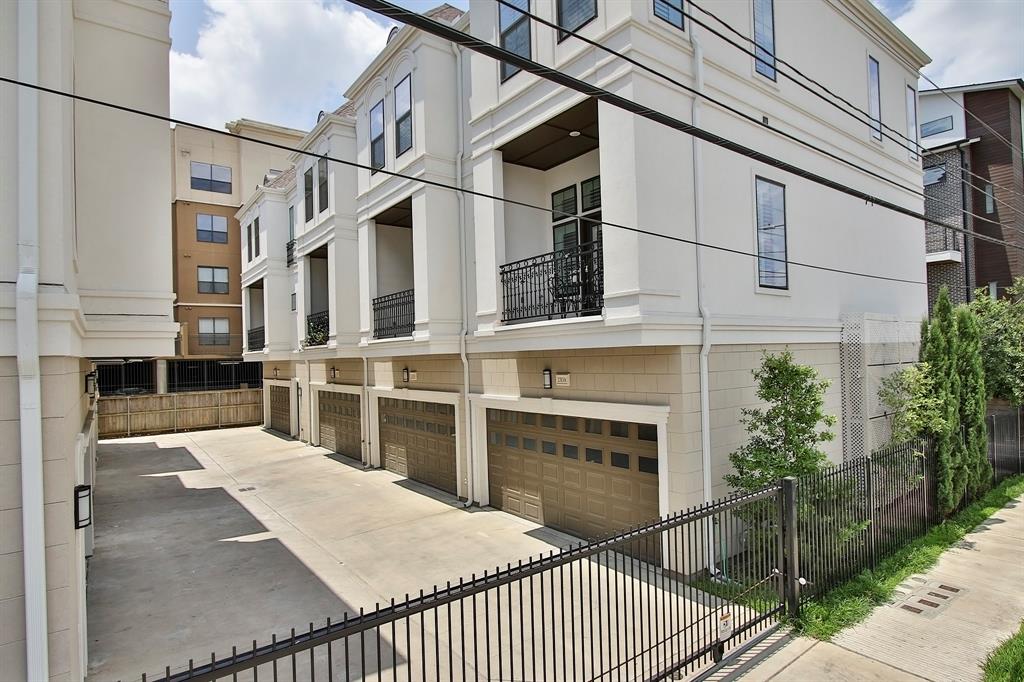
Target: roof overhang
(1015,85)
(885,28)
(946,146)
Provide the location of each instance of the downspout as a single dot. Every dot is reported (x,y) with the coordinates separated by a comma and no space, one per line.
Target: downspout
(365,416)
(309,407)
(463,298)
(27,331)
(705,314)
(964,220)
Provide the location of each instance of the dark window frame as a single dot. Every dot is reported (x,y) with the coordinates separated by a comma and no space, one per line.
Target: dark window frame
(375,163)
(668,3)
(323,194)
(248,240)
(507,70)
(210,236)
(401,118)
(214,338)
(562,35)
(875,122)
(208,184)
(939,172)
(307,189)
(212,282)
(785,235)
(768,55)
(256,234)
(936,120)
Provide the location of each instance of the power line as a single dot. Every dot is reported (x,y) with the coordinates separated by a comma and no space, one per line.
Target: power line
(434,183)
(456,36)
(918,148)
(750,118)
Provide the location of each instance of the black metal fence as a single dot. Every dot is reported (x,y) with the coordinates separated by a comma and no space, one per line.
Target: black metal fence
(654,602)
(209,375)
(318,327)
(394,314)
(255,339)
(126,377)
(564,283)
(1005,443)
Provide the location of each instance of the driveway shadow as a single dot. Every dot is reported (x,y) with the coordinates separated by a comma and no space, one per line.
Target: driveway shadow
(179,572)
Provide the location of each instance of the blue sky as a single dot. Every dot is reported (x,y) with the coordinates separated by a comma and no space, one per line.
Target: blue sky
(282,61)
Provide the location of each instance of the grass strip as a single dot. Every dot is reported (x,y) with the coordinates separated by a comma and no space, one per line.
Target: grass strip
(1006,662)
(852,601)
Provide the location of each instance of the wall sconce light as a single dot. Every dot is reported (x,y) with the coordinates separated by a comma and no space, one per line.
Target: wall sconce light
(276,372)
(547,378)
(405,374)
(83,506)
(334,373)
(90,383)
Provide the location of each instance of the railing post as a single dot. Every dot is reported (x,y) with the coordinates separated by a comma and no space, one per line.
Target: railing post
(791,548)
(869,499)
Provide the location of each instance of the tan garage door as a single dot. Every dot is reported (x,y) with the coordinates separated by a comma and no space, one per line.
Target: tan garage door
(340,421)
(418,440)
(280,409)
(587,477)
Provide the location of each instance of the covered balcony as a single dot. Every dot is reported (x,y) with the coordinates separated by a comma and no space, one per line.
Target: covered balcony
(318,316)
(394,310)
(255,326)
(554,262)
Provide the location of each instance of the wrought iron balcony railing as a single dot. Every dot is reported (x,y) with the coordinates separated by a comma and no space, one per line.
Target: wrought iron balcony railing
(394,315)
(318,328)
(289,250)
(564,283)
(255,339)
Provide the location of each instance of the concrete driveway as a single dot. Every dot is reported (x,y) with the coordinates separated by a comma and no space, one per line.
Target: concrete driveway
(211,539)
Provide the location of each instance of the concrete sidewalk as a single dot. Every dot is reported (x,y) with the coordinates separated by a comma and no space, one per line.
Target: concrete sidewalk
(939,626)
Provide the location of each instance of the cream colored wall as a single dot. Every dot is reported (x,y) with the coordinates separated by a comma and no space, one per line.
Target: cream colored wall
(732,387)
(64,408)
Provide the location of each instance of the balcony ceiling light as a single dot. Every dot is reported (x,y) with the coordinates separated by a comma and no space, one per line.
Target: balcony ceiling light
(574,133)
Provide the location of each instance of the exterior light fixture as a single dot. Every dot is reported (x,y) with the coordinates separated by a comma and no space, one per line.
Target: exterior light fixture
(90,383)
(83,506)
(405,374)
(334,373)
(574,133)
(276,372)
(547,378)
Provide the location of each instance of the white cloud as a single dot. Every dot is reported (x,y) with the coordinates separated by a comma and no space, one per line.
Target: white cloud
(969,42)
(279,62)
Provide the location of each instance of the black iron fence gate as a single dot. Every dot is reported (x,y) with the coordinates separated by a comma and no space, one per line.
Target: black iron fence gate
(654,602)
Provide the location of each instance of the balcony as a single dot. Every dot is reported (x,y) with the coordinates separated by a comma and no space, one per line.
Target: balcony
(394,315)
(289,250)
(564,283)
(942,245)
(255,339)
(318,328)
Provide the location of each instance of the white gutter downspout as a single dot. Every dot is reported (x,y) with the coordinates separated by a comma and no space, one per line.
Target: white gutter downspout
(27,330)
(464,299)
(705,314)
(365,416)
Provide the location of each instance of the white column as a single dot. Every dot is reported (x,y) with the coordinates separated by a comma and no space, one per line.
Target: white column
(332,294)
(489,239)
(302,298)
(367,234)
(435,249)
(246,320)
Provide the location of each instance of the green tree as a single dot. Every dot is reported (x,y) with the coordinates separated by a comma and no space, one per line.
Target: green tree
(914,407)
(973,401)
(784,436)
(1001,328)
(941,355)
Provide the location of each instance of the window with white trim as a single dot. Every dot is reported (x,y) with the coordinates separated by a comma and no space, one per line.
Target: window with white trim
(574,14)
(403,115)
(377,135)
(764,38)
(307,187)
(772,266)
(912,121)
(513,33)
(874,99)
(256,235)
(670,11)
(321,172)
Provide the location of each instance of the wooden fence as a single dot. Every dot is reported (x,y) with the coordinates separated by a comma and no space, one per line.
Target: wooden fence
(145,414)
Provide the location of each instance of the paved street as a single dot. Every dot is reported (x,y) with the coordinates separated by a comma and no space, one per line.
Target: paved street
(977,587)
(211,539)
